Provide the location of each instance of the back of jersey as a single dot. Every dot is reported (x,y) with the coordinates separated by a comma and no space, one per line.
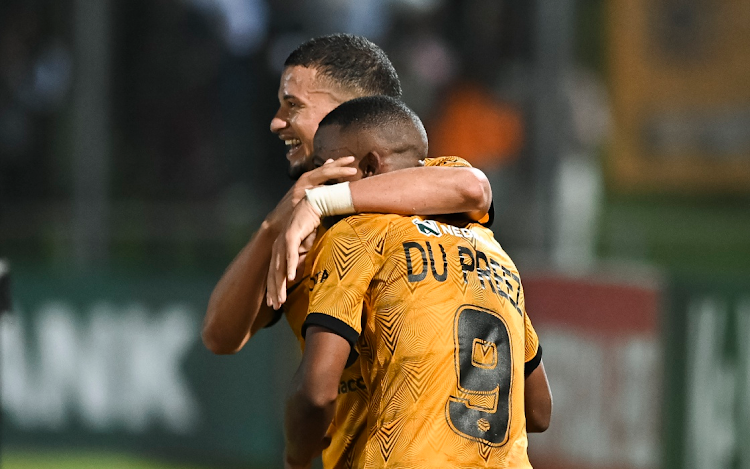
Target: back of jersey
(443,337)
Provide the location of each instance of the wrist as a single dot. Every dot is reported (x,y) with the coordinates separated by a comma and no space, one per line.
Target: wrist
(331,200)
(270,227)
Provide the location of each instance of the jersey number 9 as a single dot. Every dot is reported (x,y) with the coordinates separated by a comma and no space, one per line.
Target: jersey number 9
(480,409)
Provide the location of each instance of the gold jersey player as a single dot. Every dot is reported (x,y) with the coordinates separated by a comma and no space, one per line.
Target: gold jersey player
(436,312)
(319,75)
(348,425)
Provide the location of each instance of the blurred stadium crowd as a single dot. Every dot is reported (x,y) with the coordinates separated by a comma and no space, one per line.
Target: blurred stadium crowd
(178,95)
(181,95)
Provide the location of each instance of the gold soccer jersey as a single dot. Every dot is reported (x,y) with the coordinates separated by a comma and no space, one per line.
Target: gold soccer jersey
(295,308)
(437,314)
(351,406)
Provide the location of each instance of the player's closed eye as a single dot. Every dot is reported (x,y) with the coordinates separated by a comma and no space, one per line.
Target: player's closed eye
(289,102)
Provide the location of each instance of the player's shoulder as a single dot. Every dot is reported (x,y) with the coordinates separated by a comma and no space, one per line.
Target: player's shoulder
(371,220)
(483,231)
(452,161)
(368,230)
(364,225)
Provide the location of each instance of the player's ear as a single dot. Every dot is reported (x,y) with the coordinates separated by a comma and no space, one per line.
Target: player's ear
(370,164)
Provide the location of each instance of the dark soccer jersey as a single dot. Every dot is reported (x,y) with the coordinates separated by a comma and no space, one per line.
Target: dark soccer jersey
(437,314)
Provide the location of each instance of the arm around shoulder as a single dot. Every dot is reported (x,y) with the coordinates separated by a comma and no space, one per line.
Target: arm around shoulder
(477,191)
(432,190)
(237,307)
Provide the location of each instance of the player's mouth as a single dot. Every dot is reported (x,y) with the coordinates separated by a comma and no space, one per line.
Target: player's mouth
(292,144)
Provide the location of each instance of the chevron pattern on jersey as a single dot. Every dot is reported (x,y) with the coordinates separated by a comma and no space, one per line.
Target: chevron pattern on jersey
(485,451)
(350,415)
(409,358)
(342,257)
(415,378)
(388,437)
(380,246)
(389,325)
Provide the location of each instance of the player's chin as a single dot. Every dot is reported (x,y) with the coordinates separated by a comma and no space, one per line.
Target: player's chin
(298,168)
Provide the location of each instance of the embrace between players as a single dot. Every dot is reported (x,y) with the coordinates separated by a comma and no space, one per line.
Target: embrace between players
(418,351)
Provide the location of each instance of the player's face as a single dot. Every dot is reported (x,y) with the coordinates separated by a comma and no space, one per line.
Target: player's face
(303,102)
(332,144)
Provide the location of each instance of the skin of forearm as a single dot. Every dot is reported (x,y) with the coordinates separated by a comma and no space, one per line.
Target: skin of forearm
(311,403)
(239,296)
(305,425)
(424,191)
(538,401)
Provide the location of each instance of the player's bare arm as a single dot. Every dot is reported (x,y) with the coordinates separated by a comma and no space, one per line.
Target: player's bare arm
(381,184)
(236,308)
(537,400)
(311,403)
(410,191)
(424,191)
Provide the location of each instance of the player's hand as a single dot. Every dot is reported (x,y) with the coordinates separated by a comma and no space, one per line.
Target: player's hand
(332,170)
(289,251)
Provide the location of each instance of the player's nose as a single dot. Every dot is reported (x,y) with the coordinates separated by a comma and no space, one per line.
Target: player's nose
(278,123)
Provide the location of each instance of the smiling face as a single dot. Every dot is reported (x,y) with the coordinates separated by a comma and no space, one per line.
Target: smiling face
(304,99)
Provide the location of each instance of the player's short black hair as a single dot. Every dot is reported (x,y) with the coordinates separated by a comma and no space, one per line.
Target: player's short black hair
(385,116)
(352,62)
(371,111)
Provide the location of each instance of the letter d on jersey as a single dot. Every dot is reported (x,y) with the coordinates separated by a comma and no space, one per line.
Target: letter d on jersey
(410,265)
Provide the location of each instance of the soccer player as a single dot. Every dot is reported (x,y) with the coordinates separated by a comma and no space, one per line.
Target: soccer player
(318,76)
(434,308)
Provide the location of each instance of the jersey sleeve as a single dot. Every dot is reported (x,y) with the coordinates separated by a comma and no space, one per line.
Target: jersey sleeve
(458,162)
(341,275)
(533,350)
(452,161)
